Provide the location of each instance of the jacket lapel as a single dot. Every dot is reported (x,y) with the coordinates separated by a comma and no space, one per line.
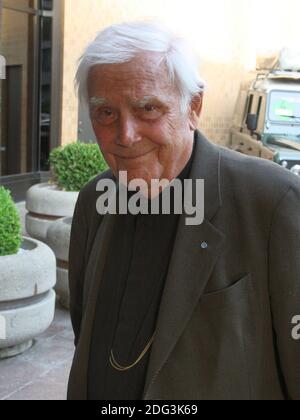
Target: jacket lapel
(191,264)
(78,388)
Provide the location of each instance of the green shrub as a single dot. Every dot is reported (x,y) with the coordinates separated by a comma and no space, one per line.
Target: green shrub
(10,225)
(75,164)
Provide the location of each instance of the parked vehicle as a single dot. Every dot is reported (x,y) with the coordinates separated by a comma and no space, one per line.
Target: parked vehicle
(267,116)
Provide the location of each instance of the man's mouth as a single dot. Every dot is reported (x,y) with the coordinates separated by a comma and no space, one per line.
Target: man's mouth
(134,157)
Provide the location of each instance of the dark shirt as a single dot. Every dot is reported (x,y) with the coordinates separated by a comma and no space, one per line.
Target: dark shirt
(129,300)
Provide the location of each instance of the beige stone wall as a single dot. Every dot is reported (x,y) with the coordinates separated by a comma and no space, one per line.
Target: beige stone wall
(226,34)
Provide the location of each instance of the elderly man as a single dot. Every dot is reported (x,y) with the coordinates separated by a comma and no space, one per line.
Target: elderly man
(162,309)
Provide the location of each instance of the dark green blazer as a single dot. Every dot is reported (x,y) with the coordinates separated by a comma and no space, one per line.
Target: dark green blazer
(224,330)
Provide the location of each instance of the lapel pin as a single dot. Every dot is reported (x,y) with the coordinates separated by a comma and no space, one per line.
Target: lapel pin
(204,245)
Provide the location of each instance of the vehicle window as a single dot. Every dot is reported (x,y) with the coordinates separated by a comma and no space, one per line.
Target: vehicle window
(285,107)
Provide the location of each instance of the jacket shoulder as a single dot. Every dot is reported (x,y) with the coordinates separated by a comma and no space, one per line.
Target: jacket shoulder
(88,195)
(257,173)
(89,189)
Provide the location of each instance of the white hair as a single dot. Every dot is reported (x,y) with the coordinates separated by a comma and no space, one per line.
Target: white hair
(123,42)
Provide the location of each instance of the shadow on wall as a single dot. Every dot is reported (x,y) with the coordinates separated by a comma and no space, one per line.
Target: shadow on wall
(223,84)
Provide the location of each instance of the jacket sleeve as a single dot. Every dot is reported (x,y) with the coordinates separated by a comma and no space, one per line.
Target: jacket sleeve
(78,243)
(284,269)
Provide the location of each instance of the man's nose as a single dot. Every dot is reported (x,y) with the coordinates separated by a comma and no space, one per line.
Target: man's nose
(128,132)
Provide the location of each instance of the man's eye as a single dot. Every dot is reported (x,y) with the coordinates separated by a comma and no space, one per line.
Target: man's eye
(150,112)
(150,108)
(105,115)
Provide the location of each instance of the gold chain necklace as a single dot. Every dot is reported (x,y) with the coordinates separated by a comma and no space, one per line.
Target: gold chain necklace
(120,368)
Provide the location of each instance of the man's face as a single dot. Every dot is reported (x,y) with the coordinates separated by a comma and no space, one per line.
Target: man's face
(136,116)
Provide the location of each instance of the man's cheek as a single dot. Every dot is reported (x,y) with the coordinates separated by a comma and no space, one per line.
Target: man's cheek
(112,162)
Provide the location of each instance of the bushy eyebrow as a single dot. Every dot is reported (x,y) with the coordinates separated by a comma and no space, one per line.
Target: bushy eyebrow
(146,100)
(140,103)
(97,101)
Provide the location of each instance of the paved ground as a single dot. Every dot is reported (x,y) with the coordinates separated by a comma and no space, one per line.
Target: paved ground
(42,372)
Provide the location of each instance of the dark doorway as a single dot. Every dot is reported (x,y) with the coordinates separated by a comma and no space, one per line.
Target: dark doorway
(11,121)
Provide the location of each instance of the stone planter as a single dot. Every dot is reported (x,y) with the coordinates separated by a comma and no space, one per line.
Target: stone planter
(27,299)
(58,238)
(46,204)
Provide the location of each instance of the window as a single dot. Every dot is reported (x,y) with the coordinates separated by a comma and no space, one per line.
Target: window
(285,107)
(30,108)
(47,4)
(17,93)
(45,92)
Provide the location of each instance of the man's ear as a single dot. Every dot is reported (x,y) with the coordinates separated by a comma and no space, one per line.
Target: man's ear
(195,110)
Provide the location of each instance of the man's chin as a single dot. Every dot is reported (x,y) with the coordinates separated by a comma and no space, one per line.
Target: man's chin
(139,182)
(130,176)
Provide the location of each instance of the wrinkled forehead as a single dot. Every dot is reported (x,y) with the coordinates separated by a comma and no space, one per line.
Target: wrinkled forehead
(143,76)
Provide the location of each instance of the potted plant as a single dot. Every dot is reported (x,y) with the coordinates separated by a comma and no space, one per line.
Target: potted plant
(72,166)
(58,238)
(27,278)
